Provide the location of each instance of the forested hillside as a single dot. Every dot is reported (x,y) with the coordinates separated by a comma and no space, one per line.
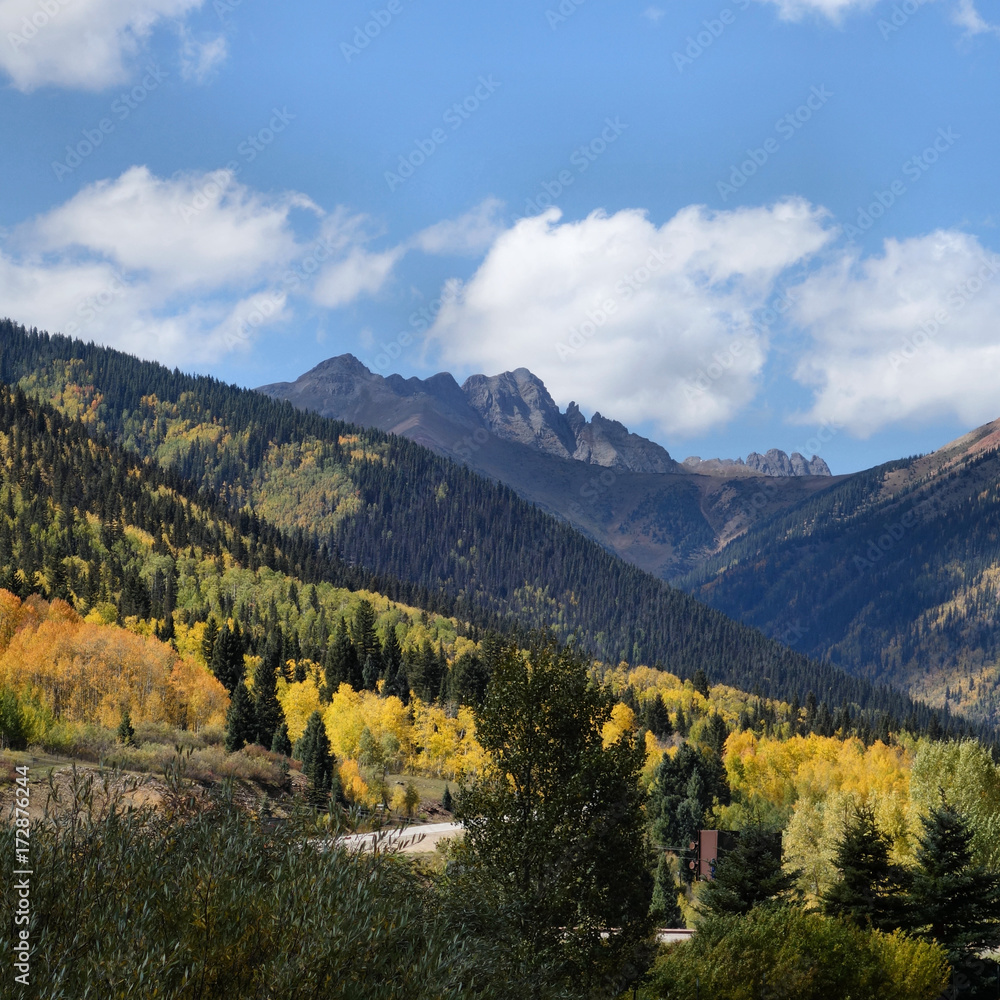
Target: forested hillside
(893,574)
(385,506)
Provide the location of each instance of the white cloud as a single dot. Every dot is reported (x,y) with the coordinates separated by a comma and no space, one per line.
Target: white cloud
(654,14)
(910,335)
(85,44)
(834,10)
(132,263)
(469,234)
(967,16)
(199,59)
(192,231)
(360,273)
(624,315)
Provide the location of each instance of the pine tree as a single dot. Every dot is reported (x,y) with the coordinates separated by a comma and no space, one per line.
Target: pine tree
(241,719)
(126,734)
(227,656)
(749,875)
(664,910)
(700,682)
(681,724)
(657,718)
(446,800)
(267,709)
(281,743)
(716,733)
(392,659)
(951,900)
(317,764)
(364,636)
(869,892)
(369,674)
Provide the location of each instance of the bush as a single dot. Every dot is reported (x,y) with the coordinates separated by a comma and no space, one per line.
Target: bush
(796,954)
(205,903)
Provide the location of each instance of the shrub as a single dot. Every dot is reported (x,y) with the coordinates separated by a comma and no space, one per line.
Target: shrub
(801,955)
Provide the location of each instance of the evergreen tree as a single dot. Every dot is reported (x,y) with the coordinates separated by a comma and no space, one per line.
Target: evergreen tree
(227,656)
(281,743)
(469,680)
(664,910)
(749,875)
(952,900)
(716,733)
(392,659)
(446,800)
(369,674)
(869,891)
(685,786)
(265,692)
(681,724)
(657,718)
(700,682)
(364,636)
(126,734)
(342,665)
(241,719)
(317,763)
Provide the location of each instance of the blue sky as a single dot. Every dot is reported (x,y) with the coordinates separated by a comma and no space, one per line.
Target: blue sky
(733,226)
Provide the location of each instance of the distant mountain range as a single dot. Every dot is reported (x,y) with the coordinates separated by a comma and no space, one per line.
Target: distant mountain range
(892,573)
(514,406)
(660,514)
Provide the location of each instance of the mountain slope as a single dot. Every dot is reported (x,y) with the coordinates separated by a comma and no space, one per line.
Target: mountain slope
(638,502)
(893,573)
(391,507)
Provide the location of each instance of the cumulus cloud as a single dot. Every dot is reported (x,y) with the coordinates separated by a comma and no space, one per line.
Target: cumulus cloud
(629,316)
(909,335)
(85,44)
(181,270)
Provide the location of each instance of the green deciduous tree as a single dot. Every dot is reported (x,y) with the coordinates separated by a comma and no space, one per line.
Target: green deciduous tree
(554,825)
